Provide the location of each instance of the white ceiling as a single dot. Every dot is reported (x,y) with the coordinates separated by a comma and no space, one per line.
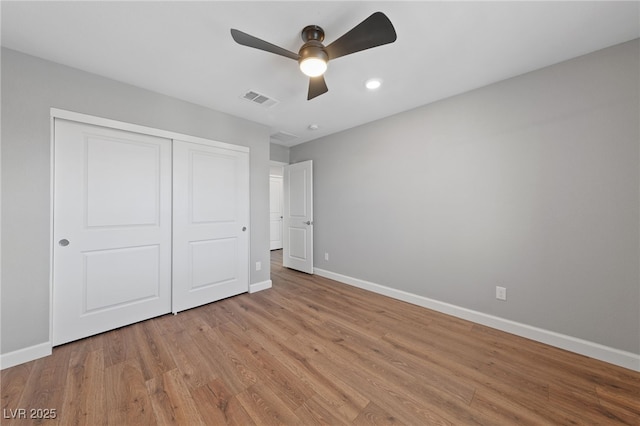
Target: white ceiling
(184,49)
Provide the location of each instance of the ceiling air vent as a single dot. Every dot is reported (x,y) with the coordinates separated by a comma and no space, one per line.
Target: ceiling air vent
(259,98)
(283,137)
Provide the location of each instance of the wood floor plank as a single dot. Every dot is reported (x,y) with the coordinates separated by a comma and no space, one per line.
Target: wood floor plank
(290,390)
(228,311)
(127,396)
(620,405)
(13,383)
(626,399)
(390,395)
(171,400)
(334,393)
(534,398)
(584,406)
(255,316)
(264,406)
(167,324)
(374,415)
(193,364)
(84,395)
(475,367)
(316,411)
(227,364)
(565,368)
(115,348)
(377,352)
(498,410)
(152,353)
(219,406)
(45,387)
(380,351)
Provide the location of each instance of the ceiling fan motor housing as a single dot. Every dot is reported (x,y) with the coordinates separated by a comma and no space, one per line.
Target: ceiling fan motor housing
(313,47)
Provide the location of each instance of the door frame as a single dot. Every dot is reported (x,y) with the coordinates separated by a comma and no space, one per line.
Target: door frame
(57,113)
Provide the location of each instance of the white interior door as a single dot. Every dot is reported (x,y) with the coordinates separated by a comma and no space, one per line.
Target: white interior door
(210,224)
(298,217)
(112,229)
(276,212)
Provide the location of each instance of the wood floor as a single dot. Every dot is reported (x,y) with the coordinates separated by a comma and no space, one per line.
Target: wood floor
(312,351)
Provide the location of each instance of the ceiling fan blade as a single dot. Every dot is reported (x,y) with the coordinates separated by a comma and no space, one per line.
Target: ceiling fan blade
(374,31)
(251,41)
(317,87)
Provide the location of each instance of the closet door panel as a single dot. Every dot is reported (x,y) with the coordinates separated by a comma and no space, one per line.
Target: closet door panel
(210,224)
(112,229)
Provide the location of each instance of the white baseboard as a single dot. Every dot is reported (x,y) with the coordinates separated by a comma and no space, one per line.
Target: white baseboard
(583,347)
(25,355)
(259,286)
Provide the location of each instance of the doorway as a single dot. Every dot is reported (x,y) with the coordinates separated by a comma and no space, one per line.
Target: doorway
(276,173)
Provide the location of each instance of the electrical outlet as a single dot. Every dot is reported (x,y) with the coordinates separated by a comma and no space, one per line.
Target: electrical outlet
(326,257)
(258,266)
(501,293)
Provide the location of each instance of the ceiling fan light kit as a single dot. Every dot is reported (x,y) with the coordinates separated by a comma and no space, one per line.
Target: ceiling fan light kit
(313,66)
(313,56)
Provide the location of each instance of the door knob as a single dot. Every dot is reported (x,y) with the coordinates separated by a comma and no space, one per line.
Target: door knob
(63,242)
(308,222)
(244,228)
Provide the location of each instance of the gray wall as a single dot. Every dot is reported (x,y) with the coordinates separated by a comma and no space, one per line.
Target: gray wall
(30,86)
(531,183)
(279,153)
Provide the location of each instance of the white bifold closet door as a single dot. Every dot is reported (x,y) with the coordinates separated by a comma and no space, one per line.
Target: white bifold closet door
(141,231)
(210,224)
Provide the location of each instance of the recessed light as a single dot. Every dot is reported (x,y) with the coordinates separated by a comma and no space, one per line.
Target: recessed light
(313,127)
(373,83)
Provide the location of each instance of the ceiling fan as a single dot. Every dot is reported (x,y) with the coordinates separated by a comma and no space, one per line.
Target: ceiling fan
(313,56)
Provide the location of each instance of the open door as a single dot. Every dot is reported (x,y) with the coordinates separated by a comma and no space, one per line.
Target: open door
(298,217)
